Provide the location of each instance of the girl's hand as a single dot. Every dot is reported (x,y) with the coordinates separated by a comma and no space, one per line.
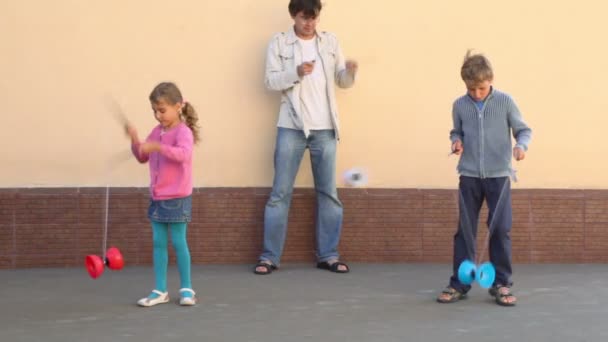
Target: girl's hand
(132,133)
(149,147)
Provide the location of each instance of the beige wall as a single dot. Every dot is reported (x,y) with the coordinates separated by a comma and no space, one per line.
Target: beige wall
(59,58)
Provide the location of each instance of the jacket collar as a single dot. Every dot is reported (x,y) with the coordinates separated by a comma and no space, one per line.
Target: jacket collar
(292,37)
(490,95)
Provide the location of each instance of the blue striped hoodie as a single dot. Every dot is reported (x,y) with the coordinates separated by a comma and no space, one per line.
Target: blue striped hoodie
(486,134)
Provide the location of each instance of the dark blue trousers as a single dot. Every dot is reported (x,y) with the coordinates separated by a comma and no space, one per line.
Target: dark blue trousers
(472,193)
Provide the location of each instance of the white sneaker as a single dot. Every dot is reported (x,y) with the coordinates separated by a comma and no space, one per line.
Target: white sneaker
(187,301)
(163,297)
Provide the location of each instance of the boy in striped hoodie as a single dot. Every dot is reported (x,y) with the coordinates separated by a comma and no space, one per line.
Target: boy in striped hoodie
(484,119)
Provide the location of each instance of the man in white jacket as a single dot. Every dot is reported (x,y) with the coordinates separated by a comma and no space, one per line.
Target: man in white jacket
(303,65)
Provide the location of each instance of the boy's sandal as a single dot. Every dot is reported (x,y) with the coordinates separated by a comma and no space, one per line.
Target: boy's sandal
(267,265)
(501,298)
(163,297)
(493,290)
(187,301)
(333,267)
(452,295)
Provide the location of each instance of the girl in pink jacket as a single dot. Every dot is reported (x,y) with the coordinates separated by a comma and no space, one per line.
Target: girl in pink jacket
(168,151)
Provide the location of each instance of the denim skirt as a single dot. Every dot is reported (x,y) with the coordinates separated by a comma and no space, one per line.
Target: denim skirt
(171,210)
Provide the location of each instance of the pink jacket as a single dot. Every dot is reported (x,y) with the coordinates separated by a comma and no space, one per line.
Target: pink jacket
(171,168)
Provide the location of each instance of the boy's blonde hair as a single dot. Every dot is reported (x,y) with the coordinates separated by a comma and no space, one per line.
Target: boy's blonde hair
(476,68)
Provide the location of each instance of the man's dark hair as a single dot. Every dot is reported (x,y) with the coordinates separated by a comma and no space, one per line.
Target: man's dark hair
(311,8)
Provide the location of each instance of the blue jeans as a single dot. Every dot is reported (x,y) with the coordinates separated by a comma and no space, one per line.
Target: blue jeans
(497,194)
(289,149)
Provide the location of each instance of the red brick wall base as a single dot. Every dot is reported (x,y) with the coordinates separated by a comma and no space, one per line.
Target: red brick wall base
(58,227)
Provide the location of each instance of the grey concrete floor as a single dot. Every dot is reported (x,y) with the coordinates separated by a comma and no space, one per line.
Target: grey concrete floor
(387,302)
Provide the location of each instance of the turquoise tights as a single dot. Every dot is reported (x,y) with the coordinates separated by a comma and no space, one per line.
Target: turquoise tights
(160,234)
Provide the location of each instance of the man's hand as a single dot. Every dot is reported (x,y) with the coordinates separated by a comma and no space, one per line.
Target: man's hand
(306,68)
(352,66)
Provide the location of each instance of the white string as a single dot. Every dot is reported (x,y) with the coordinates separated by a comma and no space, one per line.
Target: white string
(112,163)
(491,227)
(105,224)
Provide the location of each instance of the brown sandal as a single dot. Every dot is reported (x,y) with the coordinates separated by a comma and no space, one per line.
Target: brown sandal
(454,295)
(501,298)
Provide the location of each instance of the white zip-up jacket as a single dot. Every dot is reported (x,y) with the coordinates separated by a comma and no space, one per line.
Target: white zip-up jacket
(282,60)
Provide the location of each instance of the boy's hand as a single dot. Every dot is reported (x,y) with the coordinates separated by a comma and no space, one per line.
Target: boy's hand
(149,147)
(519,154)
(352,66)
(457,148)
(306,68)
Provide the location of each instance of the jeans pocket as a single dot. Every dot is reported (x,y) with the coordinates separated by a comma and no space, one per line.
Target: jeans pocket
(172,204)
